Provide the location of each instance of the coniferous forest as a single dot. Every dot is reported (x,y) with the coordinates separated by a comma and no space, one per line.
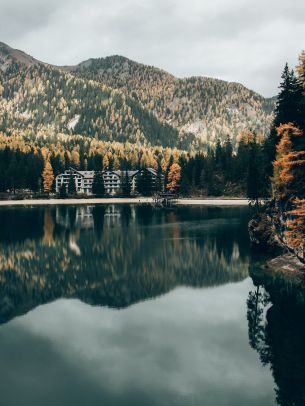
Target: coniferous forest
(52,119)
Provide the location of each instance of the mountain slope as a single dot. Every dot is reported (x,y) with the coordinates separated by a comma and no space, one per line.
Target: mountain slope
(207,107)
(35,96)
(117,99)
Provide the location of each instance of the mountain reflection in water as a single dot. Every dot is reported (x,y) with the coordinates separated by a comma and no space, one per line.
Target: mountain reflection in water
(115,255)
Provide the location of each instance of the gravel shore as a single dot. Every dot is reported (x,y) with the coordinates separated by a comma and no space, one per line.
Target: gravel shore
(46,202)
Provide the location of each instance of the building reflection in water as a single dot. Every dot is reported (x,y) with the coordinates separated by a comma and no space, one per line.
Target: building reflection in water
(111,255)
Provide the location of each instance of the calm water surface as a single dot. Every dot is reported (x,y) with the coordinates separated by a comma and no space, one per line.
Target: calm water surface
(131,305)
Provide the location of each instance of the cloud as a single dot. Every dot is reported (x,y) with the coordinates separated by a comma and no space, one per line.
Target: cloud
(181,348)
(229,39)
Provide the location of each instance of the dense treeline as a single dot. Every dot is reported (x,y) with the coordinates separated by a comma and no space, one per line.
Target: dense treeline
(25,162)
(20,170)
(285,163)
(223,172)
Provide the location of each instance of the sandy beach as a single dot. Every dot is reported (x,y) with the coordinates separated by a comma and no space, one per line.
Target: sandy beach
(46,202)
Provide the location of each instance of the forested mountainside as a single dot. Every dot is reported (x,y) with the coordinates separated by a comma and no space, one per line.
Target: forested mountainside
(35,96)
(115,99)
(208,108)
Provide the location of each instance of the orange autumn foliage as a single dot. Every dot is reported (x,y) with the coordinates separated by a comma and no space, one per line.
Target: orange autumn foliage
(48,177)
(174,177)
(295,233)
(289,166)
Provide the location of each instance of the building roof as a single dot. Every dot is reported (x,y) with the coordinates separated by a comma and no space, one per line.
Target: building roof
(90,174)
(86,174)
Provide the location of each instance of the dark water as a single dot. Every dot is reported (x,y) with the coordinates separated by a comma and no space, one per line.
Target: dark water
(131,305)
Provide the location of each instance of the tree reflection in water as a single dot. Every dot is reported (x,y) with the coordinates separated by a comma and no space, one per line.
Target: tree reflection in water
(115,255)
(276,321)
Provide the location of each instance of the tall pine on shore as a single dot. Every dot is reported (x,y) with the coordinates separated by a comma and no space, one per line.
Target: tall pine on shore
(288,181)
(289,109)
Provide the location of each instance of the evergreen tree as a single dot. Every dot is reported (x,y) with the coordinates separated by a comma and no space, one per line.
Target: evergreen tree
(98,187)
(63,191)
(11,173)
(126,185)
(289,100)
(290,108)
(144,183)
(170,163)
(253,178)
(71,185)
(228,158)
(184,185)
(159,180)
(218,152)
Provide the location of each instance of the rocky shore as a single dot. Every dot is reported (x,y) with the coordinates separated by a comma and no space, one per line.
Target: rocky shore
(265,237)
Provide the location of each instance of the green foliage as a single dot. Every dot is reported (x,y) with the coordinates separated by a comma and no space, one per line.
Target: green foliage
(71,185)
(98,187)
(159,179)
(125,185)
(63,192)
(20,170)
(254,177)
(289,101)
(290,108)
(145,183)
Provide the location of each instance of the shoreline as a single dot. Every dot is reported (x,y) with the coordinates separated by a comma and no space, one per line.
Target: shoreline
(141,200)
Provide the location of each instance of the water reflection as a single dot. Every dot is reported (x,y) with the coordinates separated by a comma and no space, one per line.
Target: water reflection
(276,314)
(115,255)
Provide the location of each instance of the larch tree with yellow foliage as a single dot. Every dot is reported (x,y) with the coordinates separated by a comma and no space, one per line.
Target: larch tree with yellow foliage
(289,167)
(173,178)
(295,233)
(48,177)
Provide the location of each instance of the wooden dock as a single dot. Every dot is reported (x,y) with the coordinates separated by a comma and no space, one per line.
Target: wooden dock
(166,199)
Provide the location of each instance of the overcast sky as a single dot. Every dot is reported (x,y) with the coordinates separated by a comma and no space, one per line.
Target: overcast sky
(236,40)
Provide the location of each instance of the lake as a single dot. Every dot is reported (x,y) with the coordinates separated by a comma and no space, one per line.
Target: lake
(134,305)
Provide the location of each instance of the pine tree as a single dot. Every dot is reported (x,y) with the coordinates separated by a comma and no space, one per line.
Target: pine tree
(301,80)
(218,152)
(289,99)
(289,109)
(145,183)
(11,173)
(98,187)
(48,177)
(170,163)
(301,69)
(184,185)
(254,177)
(159,180)
(126,185)
(63,191)
(228,157)
(71,185)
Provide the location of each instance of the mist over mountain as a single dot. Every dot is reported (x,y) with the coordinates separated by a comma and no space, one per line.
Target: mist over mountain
(116,99)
